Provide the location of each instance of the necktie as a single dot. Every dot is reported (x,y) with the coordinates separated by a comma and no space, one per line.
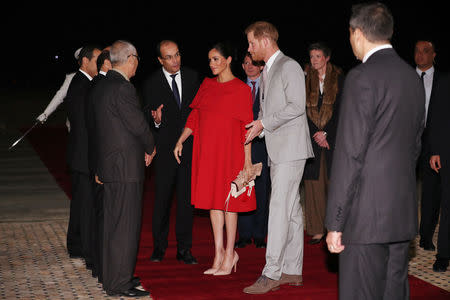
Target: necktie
(253,90)
(422,75)
(175,91)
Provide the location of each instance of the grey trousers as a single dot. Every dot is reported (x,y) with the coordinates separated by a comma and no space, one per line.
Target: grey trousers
(374,271)
(284,252)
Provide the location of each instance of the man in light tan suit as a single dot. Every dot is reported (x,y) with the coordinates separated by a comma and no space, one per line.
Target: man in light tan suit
(282,119)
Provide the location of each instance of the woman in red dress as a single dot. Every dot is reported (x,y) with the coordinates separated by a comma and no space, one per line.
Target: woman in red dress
(220,111)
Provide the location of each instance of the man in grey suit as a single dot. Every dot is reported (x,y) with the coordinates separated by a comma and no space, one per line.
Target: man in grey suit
(282,120)
(372,206)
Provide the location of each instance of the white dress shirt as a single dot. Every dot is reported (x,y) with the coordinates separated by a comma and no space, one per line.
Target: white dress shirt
(177,80)
(368,54)
(428,85)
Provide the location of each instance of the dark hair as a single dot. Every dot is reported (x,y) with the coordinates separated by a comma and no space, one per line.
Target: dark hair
(88,52)
(224,48)
(101,59)
(320,46)
(428,40)
(254,62)
(163,42)
(374,20)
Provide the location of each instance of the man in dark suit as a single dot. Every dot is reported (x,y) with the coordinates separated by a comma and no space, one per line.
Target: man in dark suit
(424,55)
(167,94)
(103,66)
(254,224)
(372,205)
(439,125)
(79,231)
(123,141)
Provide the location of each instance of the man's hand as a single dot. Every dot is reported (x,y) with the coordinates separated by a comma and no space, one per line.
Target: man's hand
(254,129)
(157,114)
(320,138)
(334,242)
(178,151)
(149,157)
(435,163)
(97,180)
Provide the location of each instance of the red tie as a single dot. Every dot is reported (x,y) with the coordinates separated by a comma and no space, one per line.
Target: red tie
(253,91)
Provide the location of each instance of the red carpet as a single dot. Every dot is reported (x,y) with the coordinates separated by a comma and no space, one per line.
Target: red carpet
(171,279)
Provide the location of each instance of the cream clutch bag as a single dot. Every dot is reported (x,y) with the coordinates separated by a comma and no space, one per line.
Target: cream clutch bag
(243,183)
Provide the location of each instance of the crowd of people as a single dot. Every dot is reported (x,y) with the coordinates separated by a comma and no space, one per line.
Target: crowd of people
(355,140)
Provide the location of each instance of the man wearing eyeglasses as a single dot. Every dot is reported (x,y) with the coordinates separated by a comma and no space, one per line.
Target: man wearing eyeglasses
(167,94)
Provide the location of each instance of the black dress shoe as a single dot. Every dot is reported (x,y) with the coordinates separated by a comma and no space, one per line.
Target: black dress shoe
(136,281)
(316,241)
(427,245)
(186,257)
(440,265)
(131,293)
(241,243)
(157,255)
(260,243)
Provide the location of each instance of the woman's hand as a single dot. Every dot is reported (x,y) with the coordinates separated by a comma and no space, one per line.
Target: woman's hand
(178,151)
(320,137)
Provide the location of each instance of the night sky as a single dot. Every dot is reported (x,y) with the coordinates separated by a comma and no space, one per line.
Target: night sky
(35,35)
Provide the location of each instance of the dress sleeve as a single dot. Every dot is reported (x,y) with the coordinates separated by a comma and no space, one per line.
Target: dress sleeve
(192,120)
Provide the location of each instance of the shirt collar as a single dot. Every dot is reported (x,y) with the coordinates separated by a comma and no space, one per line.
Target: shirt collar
(249,81)
(86,74)
(368,54)
(167,74)
(103,73)
(427,72)
(269,62)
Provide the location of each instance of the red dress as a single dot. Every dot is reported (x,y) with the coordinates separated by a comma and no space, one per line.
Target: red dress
(219,114)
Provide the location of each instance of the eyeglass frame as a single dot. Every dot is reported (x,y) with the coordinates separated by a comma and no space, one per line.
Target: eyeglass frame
(170,57)
(137,57)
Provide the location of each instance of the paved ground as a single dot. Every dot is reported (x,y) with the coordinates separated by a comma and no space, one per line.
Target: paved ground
(33,220)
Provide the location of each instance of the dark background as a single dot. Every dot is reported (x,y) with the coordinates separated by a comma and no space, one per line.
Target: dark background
(35,35)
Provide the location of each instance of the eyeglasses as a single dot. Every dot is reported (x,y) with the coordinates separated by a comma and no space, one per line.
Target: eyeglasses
(137,57)
(170,57)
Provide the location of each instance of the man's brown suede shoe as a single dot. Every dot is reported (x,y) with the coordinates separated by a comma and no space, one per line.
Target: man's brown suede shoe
(262,286)
(296,280)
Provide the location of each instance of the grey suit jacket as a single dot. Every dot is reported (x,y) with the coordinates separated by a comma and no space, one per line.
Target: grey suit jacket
(372,190)
(283,113)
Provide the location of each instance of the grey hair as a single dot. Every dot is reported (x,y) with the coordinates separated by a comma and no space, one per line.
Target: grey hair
(120,51)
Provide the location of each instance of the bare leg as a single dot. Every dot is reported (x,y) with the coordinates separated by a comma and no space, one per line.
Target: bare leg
(231,256)
(217,222)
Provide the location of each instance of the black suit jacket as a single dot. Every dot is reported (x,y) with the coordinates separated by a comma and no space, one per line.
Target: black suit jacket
(425,153)
(77,150)
(438,123)
(259,150)
(157,91)
(121,130)
(90,125)
(372,191)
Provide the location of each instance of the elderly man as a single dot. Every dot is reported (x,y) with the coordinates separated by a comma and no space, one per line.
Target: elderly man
(124,140)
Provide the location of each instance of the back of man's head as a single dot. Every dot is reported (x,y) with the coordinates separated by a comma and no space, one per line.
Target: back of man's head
(105,55)
(120,51)
(374,20)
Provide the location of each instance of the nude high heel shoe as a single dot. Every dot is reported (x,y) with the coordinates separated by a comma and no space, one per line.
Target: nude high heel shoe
(228,272)
(213,270)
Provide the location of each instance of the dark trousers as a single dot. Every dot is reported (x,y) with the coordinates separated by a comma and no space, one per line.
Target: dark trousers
(81,210)
(443,247)
(167,174)
(431,198)
(122,224)
(254,224)
(97,230)
(374,271)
